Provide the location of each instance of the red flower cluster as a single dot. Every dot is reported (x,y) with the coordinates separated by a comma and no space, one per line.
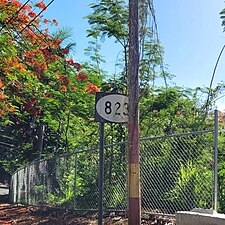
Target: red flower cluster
(49,57)
(3,97)
(1,84)
(23,19)
(64,80)
(46,21)
(32,14)
(65,51)
(91,88)
(16,86)
(77,66)
(27,7)
(70,62)
(55,22)
(30,104)
(55,43)
(32,108)
(41,5)
(10,109)
(63,88)
(73,88)
(33,59)
(11,63)
(16,3)
(82,77)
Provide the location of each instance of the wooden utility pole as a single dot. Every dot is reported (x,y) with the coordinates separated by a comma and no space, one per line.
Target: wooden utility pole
(134,201)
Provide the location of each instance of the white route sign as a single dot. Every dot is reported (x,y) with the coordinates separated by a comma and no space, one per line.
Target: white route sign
(113,108)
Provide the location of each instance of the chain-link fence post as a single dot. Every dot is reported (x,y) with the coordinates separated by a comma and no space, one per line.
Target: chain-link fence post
(75,181)
(17,186)
(215,160)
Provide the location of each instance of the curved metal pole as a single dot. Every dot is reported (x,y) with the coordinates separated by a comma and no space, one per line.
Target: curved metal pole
(216,161)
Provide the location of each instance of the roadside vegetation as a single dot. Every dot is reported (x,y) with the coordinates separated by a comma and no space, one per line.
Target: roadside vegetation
(47,98)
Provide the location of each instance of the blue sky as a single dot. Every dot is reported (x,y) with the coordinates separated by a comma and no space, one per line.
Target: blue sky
(71,13)
(192,36)
(190,32)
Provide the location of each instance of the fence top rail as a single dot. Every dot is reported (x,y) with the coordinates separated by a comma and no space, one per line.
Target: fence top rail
(66,155)
(111,145)
(176,135)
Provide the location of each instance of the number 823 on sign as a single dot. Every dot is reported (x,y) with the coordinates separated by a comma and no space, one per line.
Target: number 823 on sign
(111,107)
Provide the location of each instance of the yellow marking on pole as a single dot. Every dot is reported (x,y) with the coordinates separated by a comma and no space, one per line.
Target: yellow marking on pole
(134,181)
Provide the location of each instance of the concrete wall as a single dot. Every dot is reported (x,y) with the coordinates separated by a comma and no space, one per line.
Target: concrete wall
(198,218)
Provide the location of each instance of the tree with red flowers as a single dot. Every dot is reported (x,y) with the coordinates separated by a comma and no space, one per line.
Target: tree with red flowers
(39,82)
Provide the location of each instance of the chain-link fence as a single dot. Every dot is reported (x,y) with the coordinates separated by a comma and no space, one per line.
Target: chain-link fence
(71,180)
(176,174)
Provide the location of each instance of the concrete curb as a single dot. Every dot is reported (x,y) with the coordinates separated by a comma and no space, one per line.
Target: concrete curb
(200,217)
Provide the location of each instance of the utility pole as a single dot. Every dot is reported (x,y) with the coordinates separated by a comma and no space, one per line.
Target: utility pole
(134,193)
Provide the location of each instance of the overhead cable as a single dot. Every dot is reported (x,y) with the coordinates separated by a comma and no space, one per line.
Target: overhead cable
(14,15)
(37,16)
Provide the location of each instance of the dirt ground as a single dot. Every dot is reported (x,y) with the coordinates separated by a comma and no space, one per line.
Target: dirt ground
(11,214)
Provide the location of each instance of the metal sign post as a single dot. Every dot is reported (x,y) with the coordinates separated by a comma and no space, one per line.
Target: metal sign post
(101,173)
(113,108)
